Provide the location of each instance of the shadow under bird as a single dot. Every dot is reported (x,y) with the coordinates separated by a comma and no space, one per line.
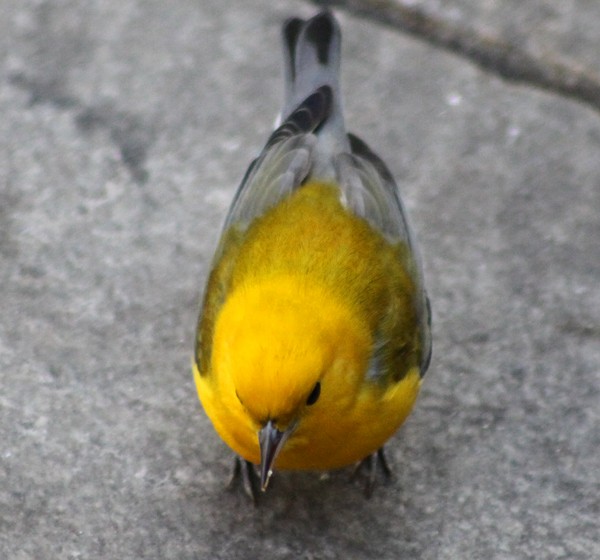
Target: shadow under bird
(314,333)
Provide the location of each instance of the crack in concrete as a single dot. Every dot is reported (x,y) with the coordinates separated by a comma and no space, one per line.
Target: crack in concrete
(490,53)
(129,132)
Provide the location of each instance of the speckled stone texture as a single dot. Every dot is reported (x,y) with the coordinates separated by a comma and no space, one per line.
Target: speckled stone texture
(125,127)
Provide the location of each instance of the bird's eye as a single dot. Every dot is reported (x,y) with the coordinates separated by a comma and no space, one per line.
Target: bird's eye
(314,394)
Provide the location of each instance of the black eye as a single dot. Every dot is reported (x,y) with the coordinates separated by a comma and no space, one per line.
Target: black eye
(314,394)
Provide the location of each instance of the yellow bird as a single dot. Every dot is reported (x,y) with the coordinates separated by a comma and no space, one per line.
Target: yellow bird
(314,333)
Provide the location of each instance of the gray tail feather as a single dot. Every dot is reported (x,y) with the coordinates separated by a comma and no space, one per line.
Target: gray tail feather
(312,54)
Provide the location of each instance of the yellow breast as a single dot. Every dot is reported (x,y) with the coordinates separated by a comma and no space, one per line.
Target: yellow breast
(309,293)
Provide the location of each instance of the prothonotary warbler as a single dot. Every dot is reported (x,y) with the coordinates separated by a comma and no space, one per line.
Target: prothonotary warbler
(314,333)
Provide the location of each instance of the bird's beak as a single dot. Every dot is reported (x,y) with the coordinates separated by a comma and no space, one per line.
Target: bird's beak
(271,441)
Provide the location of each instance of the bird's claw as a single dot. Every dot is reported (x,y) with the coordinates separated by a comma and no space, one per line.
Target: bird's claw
(244,473)
(369,467)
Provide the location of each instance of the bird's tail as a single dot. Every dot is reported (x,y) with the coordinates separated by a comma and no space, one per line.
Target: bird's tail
(312,53)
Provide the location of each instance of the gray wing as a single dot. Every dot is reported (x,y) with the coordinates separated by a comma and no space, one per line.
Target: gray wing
(313,130)
(284,163)
(370,191)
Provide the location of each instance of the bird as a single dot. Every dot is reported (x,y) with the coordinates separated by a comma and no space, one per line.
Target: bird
(315,326)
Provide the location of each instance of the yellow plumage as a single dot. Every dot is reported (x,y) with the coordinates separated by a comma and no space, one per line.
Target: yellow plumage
(314,332)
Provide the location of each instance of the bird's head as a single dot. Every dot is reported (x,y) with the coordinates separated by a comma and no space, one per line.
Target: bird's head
(279,355)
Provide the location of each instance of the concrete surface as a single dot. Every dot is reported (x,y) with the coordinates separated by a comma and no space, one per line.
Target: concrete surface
(564,31)
(124,129)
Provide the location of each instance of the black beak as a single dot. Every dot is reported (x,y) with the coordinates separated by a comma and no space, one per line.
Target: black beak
(271,441)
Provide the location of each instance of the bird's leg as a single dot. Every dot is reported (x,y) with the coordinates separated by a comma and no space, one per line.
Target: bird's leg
(374,462)
(244,472)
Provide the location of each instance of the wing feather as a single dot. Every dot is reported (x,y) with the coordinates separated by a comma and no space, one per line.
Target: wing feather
(284,163)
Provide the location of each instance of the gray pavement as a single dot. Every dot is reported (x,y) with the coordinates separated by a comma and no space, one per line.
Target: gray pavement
(124,130)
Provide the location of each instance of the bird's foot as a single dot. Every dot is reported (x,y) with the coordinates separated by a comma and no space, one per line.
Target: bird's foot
(244,473)
(368,469)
